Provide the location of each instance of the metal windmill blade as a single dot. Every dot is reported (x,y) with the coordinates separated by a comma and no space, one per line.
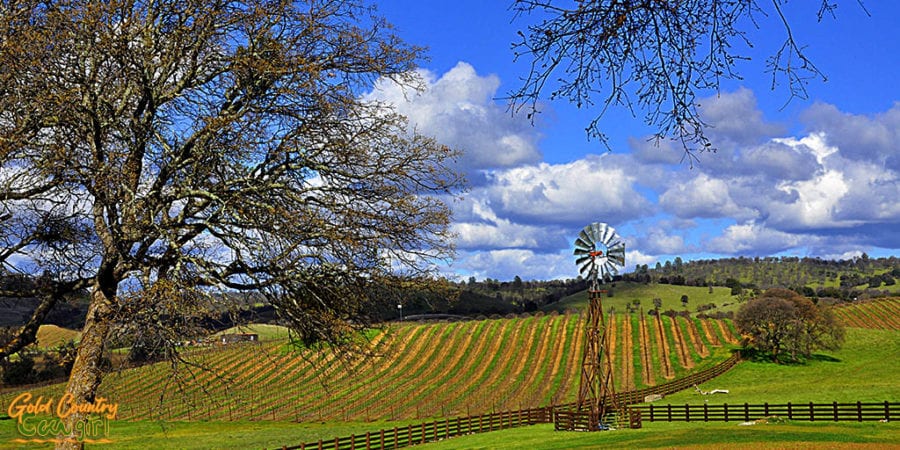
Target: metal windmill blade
(599,252)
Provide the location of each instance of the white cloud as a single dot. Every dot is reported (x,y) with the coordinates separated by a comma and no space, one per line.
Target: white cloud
(734,118)
(872,138)
(507,263)
(660,241)
(587,190)
(457,108)
(637,257)
(478,227)
(817,202)
(753,238)
(702,197)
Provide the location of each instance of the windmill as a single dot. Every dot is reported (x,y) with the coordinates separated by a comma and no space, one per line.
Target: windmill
(599,253)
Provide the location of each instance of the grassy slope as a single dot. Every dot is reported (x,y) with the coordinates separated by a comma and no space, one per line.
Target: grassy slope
(625,293)
(51,335)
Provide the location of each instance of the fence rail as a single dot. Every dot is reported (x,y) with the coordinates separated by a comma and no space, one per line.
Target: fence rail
(431,431)
(638,396)
(835,412)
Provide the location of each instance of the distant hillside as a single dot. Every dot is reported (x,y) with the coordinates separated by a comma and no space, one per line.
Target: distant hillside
(627,296)
(51,335)
(814,277)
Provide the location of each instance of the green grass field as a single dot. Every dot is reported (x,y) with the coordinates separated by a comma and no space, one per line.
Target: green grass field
(689,435)
(864,370)
(625,293)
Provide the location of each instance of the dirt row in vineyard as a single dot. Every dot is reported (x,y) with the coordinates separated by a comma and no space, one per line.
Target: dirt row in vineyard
(726,333)
(627,352)
(696,339)
(662,345)
(646,358)
(681,346)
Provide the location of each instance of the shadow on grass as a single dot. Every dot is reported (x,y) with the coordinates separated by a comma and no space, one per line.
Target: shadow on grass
(766,357)
(823,358)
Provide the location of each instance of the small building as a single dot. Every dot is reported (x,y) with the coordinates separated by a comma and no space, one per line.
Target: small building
(239,337)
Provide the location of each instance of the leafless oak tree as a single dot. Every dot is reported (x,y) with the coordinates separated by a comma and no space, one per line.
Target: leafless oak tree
(656,55)
(156,153)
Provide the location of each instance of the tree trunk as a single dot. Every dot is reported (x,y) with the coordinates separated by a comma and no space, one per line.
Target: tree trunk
(87,372)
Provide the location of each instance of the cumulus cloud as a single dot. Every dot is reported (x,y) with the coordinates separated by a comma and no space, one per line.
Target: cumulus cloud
(661,241)
(478,227)
(573,194)
(457,108)
(507,263)
(753,238)
(702,197)
(873,138)
(734,119)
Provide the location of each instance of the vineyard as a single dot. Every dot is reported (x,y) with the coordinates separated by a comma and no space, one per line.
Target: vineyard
(883,314)
(421,370)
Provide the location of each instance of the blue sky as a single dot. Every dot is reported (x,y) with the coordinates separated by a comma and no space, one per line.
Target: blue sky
(818,177)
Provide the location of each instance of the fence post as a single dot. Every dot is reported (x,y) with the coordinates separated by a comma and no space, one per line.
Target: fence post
(834,405)
(812,413)
(669,408)
(746,412)
(859,411)
(705,412)
(725,405)
(766,409)
(687,412)
(887,411)
(790,413)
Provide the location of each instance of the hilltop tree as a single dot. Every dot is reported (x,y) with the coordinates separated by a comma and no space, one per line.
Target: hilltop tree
(656,55)
(161,155)
(788,326)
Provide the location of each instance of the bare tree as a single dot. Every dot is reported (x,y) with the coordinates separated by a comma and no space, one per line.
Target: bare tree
(656,55)
(161,154)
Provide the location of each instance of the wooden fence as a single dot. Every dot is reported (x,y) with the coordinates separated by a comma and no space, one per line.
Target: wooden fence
(637,396)
(836,412)
(442,429)
(431,431)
